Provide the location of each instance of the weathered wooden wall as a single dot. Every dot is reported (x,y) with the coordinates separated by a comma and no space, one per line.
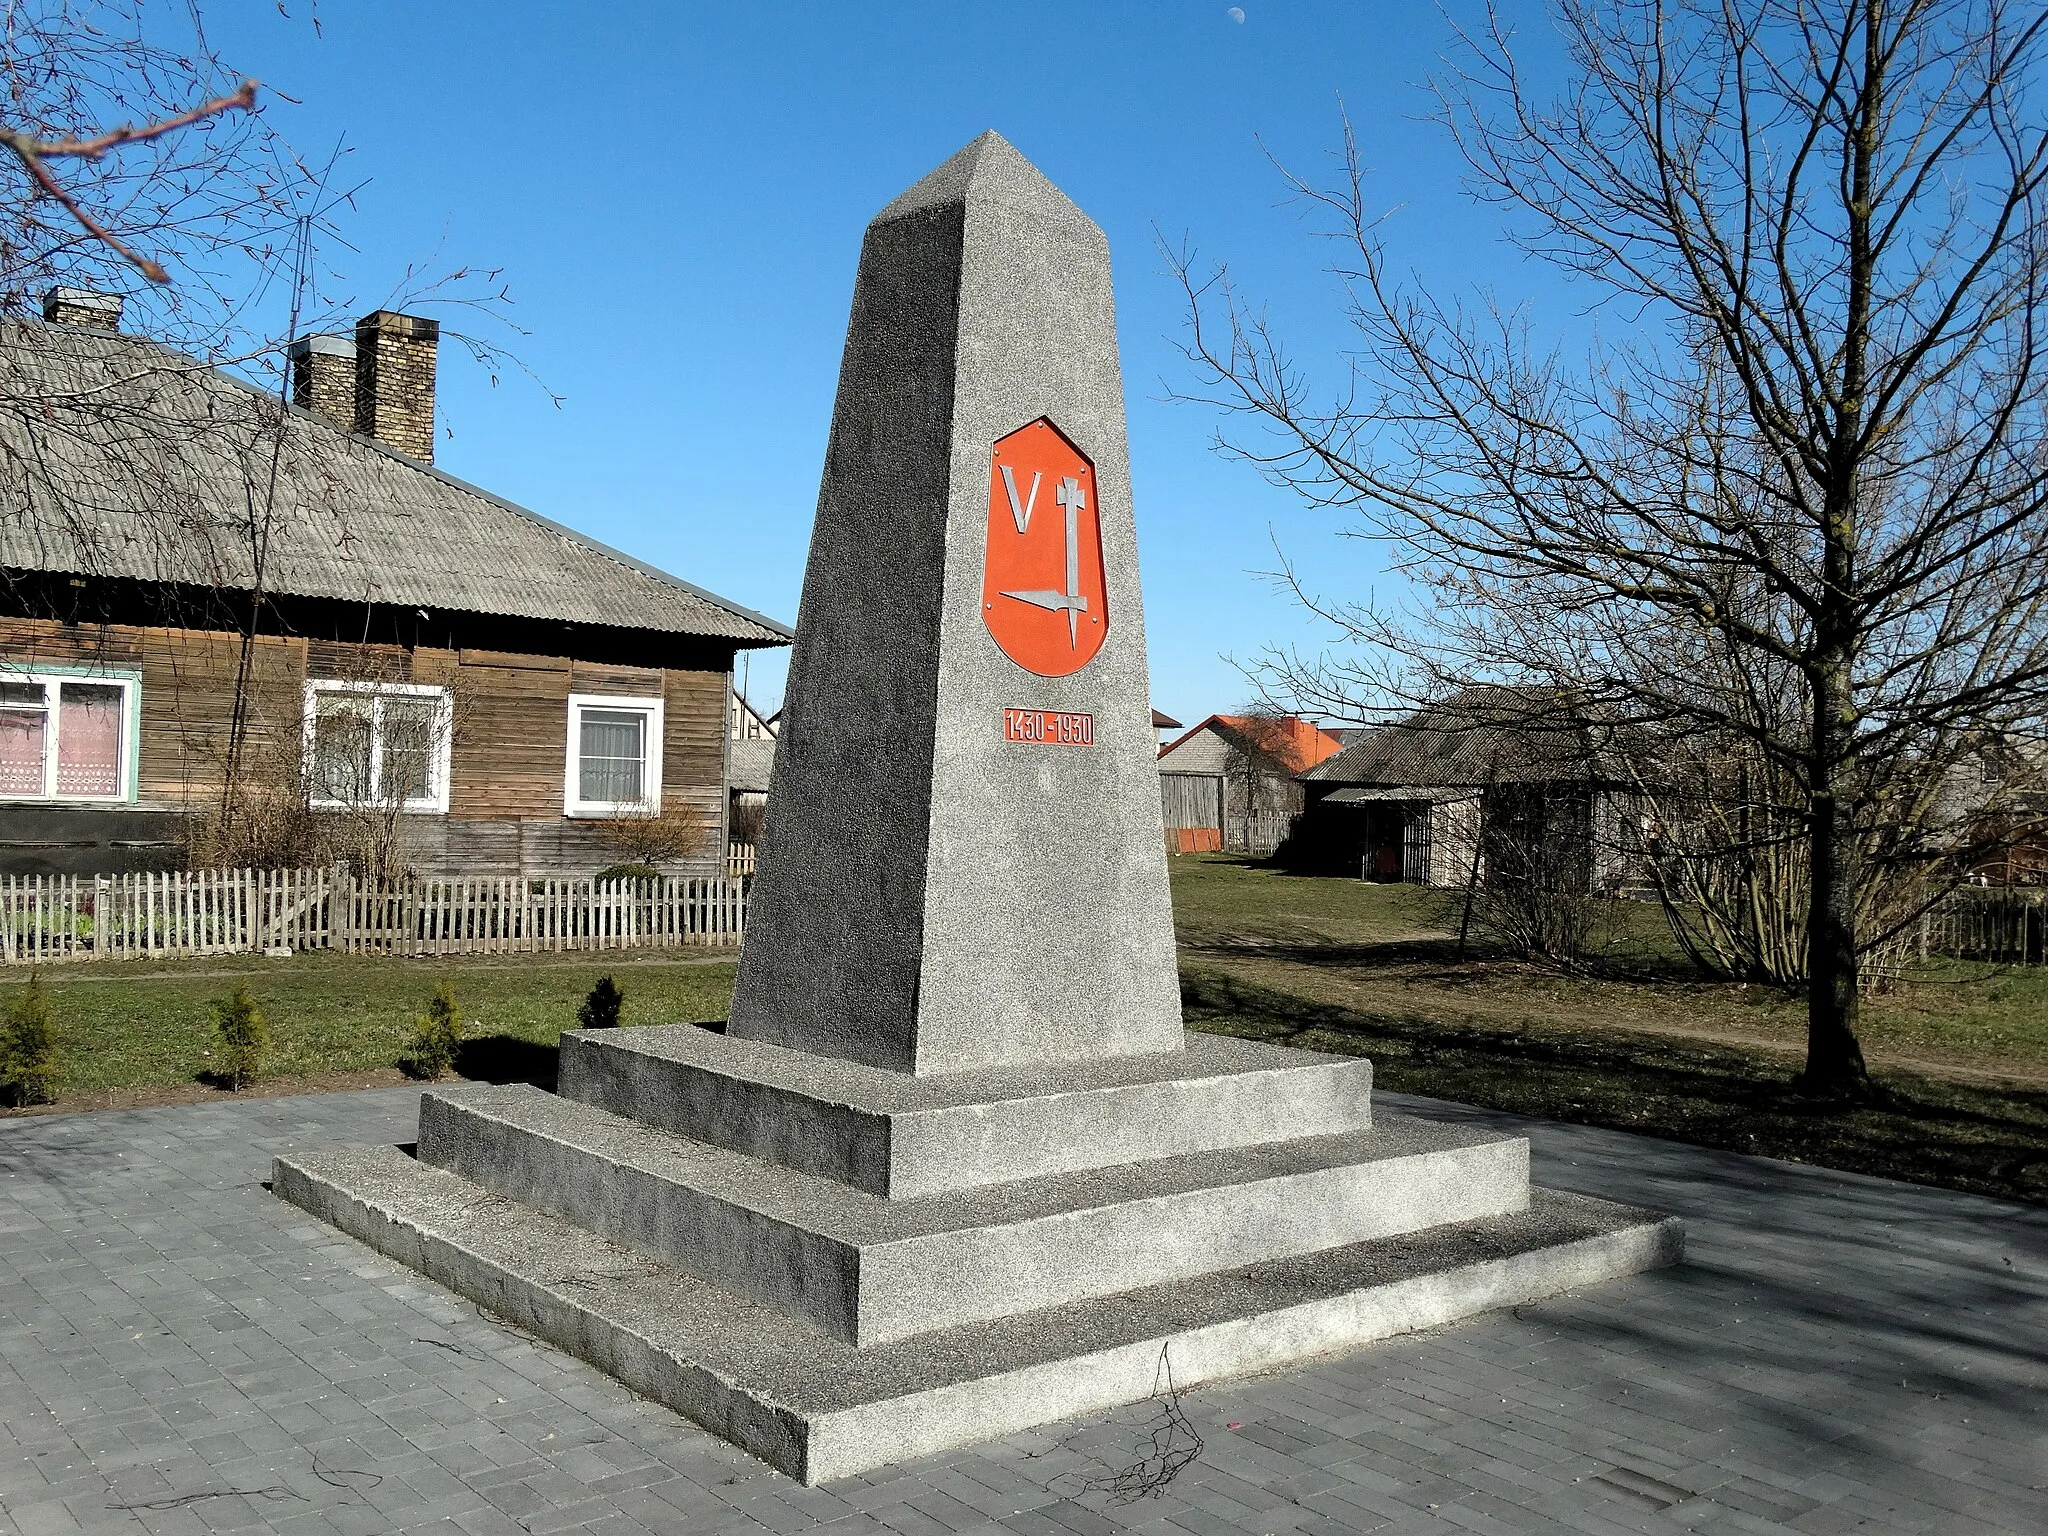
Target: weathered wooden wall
(510,746)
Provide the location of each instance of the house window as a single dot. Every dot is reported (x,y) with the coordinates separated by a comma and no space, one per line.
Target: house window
(614,756)
(67,735)
(377,745)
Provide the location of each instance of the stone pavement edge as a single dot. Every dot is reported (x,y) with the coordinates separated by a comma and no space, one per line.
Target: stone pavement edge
(182,1353)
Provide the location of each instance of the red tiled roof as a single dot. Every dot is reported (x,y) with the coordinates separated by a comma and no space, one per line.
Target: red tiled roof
(1301,743)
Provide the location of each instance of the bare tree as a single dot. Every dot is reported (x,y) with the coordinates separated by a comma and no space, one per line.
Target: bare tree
(1816,453)
(650,835)
(146,172)
(335,779)
(1259,763)
(1532,890)
(138,153)
(376,751)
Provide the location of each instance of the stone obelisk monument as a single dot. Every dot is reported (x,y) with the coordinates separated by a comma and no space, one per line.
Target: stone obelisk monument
(963,863)
(952,1168)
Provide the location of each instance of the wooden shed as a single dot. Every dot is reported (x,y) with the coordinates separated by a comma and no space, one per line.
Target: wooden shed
(1415,800)
(1236,774)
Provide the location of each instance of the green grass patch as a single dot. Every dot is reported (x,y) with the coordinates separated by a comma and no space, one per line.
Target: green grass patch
(1391,950)
(1638,1041)
(130,1024)
(1923,1129)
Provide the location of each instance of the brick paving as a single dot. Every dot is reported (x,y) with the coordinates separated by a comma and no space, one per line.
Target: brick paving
(182,1353)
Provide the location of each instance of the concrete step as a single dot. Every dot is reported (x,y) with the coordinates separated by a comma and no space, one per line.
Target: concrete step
(867,1269)
(892,1134)
(818,1409)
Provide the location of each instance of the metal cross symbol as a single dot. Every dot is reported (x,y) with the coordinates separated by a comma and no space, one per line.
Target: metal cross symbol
(1070,602)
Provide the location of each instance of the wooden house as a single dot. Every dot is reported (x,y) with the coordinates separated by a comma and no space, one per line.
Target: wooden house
(215,606)
(1415,800)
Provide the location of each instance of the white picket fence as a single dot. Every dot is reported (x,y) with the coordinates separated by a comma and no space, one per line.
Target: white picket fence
(52,918)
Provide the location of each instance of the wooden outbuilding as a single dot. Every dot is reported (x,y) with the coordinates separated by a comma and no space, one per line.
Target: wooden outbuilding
(1416,800)
(1236,774)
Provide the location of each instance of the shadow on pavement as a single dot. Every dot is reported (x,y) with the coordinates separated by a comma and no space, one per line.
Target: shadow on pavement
(507,1059)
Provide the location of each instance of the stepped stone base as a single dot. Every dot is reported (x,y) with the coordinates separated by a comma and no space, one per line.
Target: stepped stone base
(901,1136)
(835,1266)
(867,1269)
(818,1408)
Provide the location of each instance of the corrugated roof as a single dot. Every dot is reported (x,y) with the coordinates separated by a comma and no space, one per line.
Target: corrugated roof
(1490,734)
(1400,794)
(161,460)
(750,763)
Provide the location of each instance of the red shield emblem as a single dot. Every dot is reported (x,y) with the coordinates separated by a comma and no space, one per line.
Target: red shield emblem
(1042,589)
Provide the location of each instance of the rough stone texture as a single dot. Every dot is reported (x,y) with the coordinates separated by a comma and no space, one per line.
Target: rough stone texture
(82,306)
(324,378)
(931,898)
(395,362)
(902,1136)
(819,1410)
(1838,1354)
(867,1269)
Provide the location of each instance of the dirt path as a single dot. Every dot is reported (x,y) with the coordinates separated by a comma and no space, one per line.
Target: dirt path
(152,1097)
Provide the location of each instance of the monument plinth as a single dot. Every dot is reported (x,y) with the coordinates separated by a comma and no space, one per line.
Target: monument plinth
(953,1168)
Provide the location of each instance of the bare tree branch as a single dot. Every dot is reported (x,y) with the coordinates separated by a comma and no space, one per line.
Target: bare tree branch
(1796,505)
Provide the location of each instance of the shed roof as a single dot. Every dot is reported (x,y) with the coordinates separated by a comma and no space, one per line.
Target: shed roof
(1488,734)
(1297,743)
(1397,794)
(750,763)
(140,462)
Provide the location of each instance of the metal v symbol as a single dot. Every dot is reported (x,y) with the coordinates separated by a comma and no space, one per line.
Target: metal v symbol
(1021,512)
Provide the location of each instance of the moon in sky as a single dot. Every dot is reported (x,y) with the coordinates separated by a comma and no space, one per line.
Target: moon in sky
(1236,14)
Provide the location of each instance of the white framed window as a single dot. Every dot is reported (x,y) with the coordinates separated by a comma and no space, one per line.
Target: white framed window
(377,745)
(614,756)
(68,733)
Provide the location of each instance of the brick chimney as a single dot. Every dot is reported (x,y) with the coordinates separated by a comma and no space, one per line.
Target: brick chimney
(395,381)
(324,378)
(81,306)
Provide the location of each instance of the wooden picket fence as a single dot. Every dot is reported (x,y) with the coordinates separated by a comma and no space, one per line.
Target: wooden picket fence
(2009,927)
(52,918)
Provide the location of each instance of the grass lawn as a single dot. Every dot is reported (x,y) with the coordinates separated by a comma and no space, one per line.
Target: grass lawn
(131,1030)
(1640,1042)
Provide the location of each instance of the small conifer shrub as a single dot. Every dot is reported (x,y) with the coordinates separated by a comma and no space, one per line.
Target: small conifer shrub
(241,1038)
(28,1048)
(600,1010)
(437,1036)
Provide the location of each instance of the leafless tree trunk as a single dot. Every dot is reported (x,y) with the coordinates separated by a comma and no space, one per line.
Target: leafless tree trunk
(1260,751)
(1819,457)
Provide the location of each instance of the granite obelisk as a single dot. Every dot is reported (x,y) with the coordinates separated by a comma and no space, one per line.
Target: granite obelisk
(953,1170)
(963,864)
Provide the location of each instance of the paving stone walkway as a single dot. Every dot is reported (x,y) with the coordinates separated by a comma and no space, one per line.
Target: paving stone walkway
(182,1353)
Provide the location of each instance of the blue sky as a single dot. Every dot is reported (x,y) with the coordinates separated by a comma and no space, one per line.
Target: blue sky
(676,194)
